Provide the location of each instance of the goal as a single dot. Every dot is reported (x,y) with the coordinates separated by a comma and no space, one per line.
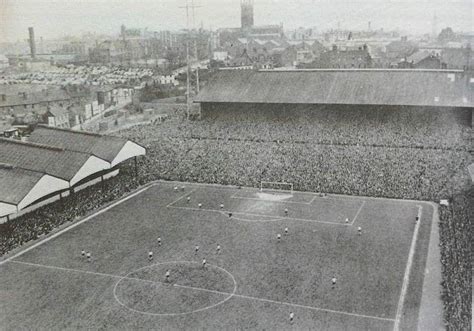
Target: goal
(276,186)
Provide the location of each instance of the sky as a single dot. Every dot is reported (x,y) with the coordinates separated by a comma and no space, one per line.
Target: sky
(57,18)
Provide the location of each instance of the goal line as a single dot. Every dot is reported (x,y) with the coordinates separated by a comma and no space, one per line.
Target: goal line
(276,186)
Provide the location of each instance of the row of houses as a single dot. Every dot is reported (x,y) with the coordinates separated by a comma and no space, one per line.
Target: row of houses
(402,53)
(66,107)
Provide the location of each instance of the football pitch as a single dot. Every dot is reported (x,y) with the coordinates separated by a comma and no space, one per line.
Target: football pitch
(254,281)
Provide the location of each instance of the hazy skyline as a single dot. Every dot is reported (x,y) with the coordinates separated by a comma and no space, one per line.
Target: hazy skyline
(58,18)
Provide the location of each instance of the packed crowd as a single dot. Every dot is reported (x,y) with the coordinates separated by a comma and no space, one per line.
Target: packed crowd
(361,170)
(81,75)
(456,258)
(379,126)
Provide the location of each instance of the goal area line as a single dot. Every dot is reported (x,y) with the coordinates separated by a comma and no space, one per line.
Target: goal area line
(276,187)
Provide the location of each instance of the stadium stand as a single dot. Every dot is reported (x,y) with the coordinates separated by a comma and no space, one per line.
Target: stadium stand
(22,187)
(66,162)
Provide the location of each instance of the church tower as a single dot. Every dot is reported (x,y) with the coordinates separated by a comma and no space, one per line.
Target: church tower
(246,14)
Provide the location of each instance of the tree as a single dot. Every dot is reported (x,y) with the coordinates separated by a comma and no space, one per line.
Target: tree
(446,35)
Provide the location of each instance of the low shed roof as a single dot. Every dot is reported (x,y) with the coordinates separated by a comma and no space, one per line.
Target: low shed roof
(102,146)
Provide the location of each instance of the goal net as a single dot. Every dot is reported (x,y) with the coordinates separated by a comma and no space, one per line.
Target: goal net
(276,186)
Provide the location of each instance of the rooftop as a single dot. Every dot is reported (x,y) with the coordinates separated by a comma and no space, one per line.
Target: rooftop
(410,87)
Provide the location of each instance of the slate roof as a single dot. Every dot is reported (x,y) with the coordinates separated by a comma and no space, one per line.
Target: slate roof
(418,56)
(104,147)
(16,183)
(41,158)
(334,86)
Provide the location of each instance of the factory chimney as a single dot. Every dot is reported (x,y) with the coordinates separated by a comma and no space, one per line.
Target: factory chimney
(32,42)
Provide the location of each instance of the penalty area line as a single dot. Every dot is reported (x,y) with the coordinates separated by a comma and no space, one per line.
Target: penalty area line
(358,212)
(285,218)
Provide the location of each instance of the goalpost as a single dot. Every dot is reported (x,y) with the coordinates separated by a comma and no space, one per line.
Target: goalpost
(276,186)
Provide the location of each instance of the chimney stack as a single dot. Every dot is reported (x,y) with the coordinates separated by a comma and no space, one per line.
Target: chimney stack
(32,42)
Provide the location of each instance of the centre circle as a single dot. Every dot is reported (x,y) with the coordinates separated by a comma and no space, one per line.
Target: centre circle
(190,288)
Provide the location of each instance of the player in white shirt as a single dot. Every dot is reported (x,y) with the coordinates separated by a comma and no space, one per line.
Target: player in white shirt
(279,237)
(292,316)
(167,275)
(286,230)
(222,206)
(204,262)
(218,249)
(359,230)
(150,255)
(159,241)
(83,253)
(286,211)
(88,255)
(188,198)
(196,249)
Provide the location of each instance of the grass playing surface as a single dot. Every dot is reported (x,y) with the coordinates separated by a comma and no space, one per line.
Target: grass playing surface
(254,281)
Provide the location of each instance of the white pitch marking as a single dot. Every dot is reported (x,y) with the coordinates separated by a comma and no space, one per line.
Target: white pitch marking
(229,295)
(406,277)
(358,212)
(84,271)
(287,303)
(201,289)
(261,215)
(181,197)
(268,200)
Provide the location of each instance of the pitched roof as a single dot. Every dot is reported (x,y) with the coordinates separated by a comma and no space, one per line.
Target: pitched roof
(368,86)
(57,111)
(418,56)
(16,183)
(41,158)
(104,147)
(42,96)
(458,57)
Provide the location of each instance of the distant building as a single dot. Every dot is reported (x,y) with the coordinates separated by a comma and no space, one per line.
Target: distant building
(336,58)
(421,60)
(57,117)
(28,104)
(458,58)
(243,61)
(220,55)
(399,50)
(167,80)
